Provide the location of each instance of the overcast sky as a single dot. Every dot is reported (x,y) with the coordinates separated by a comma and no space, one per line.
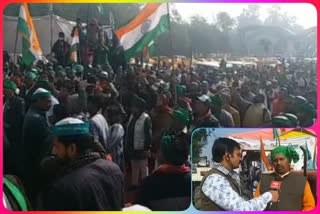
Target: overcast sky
(306,13)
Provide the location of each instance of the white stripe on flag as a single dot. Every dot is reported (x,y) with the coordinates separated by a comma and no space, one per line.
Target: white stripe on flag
(129,39)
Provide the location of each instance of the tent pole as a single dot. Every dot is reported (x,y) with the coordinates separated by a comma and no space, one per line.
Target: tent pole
(15,46)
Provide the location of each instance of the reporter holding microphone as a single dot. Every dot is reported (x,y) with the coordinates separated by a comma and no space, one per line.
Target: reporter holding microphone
(221,188)
(294,189)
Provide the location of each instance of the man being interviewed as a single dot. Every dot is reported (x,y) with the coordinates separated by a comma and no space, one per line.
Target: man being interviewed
(220,189)
(294,189)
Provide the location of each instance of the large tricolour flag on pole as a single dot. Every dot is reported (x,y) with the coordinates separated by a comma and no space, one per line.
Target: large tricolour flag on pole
(74,46)
(31,49)
(145,27)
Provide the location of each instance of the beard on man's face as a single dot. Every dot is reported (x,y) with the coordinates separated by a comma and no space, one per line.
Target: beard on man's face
(64,160)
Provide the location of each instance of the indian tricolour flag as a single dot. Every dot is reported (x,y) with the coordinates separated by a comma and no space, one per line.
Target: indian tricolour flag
(144,28)
(74,46)
(31,49)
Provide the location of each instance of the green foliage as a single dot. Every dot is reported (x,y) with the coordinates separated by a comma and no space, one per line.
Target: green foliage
(199,140)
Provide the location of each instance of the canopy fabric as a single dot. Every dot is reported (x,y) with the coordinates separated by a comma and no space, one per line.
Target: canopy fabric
(265,134)
(297,133)
(42,26)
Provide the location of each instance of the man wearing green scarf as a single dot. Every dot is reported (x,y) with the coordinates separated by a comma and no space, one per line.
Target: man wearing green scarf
(295,192)
(14,197)
(169,185)
(13,116)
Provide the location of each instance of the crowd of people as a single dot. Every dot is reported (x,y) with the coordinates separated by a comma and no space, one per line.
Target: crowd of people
(93,133)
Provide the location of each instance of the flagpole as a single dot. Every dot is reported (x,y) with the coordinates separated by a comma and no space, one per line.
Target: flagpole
(171,43)
(191,47)
(51,26)
(16,41)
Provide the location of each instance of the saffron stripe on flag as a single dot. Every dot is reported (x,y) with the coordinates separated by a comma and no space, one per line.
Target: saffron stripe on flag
(147,11)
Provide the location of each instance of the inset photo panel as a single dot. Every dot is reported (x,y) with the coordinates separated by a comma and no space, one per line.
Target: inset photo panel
(254,169)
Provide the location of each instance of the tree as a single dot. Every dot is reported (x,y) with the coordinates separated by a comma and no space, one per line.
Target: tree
(224,21)
(280,19)
(249,16)
(199,140)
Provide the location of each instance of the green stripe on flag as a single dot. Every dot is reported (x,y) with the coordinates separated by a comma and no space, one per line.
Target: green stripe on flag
(23,28)
(137,48)
(152,48)
(27,57)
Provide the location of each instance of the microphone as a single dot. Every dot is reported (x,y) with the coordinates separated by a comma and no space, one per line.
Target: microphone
(275,185)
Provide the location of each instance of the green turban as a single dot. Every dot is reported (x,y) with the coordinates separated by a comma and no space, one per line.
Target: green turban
(181,90)
(35,71)
(309,109)
(281,121)
(79,68)
(293,118)
(300,102)
(170,151)
(40,93)
(216,100)
(8,84)
(288,151)
(32,75)
(182,115)
(70,126)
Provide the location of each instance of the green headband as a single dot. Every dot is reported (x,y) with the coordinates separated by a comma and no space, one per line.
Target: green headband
(8,84)
(31,75)
(182,115)
(181,90)
(40,93)
(170,151)
(288,151)
(70,129)
(282,121)
(216,100)
(79,68)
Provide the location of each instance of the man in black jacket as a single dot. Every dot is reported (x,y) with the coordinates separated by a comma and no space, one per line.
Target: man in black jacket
(61,50)
(35,141)
(13,115)
(202,113)
(86,182)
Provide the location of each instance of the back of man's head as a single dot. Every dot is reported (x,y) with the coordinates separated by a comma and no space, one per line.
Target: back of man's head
(222,146)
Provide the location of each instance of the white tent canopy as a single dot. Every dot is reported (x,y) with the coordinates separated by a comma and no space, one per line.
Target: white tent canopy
(43,28)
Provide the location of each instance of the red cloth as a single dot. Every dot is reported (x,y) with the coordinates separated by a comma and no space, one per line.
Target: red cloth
(164,108)
(170,169)
(278,106)
(16,80)
(185,100)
